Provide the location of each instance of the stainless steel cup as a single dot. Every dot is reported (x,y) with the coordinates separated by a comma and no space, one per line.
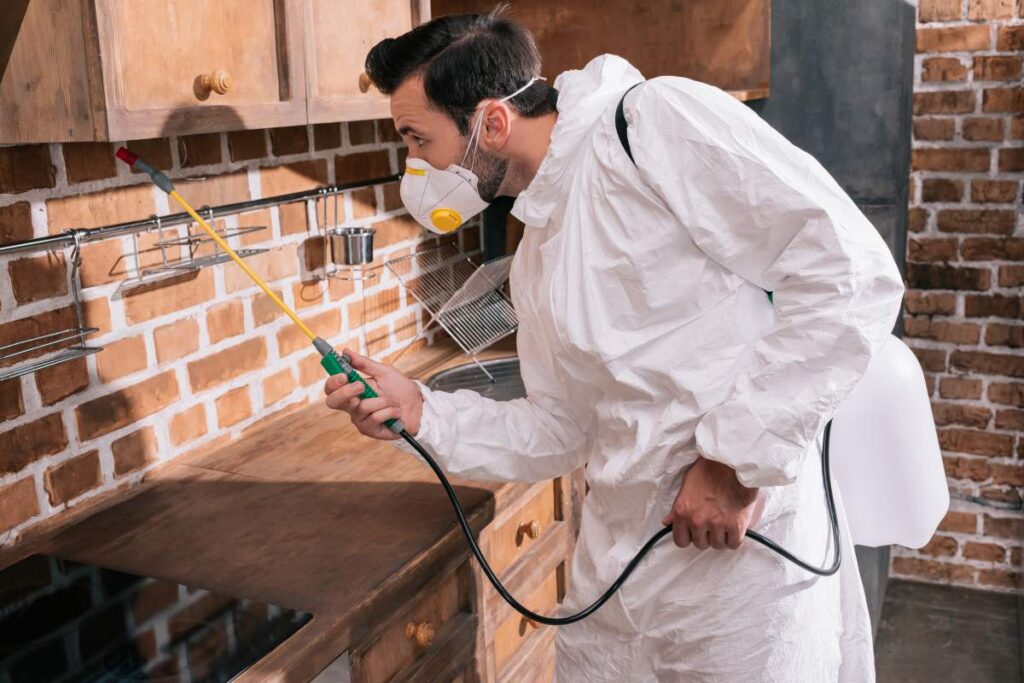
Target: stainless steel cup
(351,246)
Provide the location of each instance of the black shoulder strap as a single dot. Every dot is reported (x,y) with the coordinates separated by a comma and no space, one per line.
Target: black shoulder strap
(620,128)
(620,124)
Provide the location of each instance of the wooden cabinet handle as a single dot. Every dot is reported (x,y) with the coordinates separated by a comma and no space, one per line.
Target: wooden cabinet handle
(219,82)
(531,529)
(423,633)
(364,82)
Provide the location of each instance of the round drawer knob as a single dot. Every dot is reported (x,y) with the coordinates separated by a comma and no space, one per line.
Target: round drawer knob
(219,82)
(423,633)
(530,529)
(364,82)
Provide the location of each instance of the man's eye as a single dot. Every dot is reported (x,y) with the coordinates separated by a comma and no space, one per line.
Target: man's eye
(419,141)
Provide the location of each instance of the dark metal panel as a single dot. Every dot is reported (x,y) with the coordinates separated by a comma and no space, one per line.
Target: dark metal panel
(842,86)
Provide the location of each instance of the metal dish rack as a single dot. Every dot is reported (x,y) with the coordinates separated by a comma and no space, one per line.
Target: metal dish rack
(467,301)
(171,268)
(46,342)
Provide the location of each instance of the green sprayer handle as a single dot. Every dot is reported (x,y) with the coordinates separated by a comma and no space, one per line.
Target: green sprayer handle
(336,364)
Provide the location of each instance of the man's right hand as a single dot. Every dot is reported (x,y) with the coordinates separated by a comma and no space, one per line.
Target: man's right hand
(398,396)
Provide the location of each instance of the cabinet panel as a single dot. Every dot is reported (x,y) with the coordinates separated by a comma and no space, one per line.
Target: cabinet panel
(722,42)
(45,87)
(337,40)
(173,66)
(534,662)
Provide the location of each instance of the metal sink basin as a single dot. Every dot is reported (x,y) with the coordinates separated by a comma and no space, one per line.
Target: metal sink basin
(507,384)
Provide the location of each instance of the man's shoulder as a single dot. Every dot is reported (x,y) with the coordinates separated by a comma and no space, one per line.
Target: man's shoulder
(680,91)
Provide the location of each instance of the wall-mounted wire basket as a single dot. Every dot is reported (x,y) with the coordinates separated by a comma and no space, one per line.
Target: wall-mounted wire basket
(468,301)
(173,267)
(345,248)
(51,341)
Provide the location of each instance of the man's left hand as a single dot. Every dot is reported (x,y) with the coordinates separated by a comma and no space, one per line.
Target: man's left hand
(713,509)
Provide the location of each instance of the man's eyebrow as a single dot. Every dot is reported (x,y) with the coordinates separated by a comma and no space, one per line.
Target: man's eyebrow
(409,130)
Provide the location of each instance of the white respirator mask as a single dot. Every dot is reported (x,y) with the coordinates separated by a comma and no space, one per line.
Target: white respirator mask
(441,200)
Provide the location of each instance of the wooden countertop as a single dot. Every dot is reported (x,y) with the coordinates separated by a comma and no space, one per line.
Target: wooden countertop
(302,512)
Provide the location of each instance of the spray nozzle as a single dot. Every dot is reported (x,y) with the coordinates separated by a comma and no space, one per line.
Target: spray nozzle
(127,157)
(133,160)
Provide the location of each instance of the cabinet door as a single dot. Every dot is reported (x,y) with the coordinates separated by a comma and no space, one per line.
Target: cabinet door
(46,87)
(339,33)
(177,66)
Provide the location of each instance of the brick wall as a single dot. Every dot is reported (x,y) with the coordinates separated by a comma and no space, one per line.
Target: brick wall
(965,268)
(197,362)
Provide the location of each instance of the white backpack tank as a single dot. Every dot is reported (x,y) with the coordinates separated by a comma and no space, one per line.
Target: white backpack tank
(885,454)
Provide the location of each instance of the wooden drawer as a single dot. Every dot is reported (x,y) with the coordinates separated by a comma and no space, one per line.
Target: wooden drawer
(517,631)
(535,662)
(441,619)
(513,537)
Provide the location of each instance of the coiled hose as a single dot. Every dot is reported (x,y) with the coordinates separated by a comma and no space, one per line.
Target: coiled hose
(593,607)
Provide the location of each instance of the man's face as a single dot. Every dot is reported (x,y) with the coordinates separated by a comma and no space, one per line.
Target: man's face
(433,137)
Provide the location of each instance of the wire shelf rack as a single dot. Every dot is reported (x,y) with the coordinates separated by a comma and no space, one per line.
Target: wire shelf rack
(45,343)
(171,267)
(468,301)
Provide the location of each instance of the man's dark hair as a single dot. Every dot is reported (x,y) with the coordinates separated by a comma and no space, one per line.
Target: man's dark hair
(464,59)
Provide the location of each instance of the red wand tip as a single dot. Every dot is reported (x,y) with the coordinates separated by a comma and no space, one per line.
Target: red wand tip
(127,157)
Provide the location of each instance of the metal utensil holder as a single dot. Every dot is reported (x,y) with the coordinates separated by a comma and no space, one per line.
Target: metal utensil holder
(46,342)
(467,301)
(345,248)
(171,268)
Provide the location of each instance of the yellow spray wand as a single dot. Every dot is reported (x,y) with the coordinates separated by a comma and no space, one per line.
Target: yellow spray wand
(331,360)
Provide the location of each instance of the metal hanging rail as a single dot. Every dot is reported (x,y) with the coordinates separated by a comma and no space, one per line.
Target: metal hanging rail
(73,236)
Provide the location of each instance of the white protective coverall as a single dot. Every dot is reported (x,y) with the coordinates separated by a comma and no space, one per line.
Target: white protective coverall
(646,339)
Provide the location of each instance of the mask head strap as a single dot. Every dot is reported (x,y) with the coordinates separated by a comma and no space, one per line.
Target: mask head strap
(478,125)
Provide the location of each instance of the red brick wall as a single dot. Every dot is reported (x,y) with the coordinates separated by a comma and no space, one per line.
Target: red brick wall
(192,364)
(965,268)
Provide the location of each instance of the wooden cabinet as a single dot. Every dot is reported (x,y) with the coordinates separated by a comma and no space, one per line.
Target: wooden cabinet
(536,569)
(457,629)
(432,638)
(199,65)
(75,70)
(336,45)
(131,69)
(722,42)
(517,631)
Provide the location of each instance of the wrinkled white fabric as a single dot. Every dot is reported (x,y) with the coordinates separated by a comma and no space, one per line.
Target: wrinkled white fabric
(646,339)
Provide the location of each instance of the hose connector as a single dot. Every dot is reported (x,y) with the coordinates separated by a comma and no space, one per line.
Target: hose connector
(337,364)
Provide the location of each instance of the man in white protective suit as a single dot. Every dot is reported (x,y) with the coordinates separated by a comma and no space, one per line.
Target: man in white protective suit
(649,349)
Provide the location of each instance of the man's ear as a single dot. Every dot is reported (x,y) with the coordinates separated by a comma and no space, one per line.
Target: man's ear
(497,127)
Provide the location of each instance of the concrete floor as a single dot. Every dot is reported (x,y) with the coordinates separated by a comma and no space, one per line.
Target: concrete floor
(933,634)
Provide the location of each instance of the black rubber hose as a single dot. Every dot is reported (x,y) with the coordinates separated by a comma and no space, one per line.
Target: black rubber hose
(582,614)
